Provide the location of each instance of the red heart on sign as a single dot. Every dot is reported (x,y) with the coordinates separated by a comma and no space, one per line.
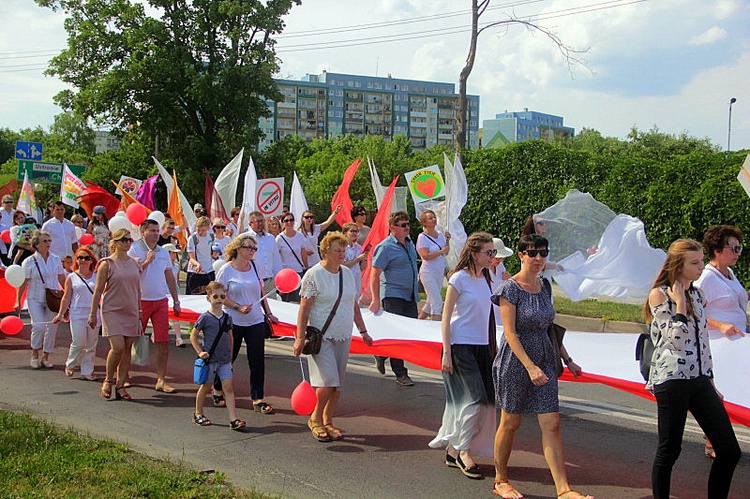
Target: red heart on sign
(427,187)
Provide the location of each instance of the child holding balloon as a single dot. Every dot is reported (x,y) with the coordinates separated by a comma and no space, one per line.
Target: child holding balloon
(216,326)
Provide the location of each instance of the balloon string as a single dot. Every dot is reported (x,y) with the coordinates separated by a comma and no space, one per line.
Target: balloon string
(301,367)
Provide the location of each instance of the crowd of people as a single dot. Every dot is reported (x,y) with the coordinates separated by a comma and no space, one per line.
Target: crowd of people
(120,284)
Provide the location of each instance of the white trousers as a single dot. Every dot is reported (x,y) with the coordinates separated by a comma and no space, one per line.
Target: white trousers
(433,286)
(43,332)
(83,347)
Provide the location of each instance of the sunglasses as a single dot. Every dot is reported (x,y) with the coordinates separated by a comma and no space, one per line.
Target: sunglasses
(251,248)
(7,202)
(736,249)
(216,297)
(83,257)
(308,216)
(288,220)
(491,252)
(125,240)
(533,253)
(402,225)
(354,231)
(220,226)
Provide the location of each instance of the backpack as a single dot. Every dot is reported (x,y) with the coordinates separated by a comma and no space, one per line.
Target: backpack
(185,258)
(644,354)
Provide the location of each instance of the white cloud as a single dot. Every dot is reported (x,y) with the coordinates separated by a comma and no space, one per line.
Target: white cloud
(711,35)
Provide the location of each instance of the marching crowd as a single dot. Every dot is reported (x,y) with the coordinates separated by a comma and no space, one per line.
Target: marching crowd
(119,284)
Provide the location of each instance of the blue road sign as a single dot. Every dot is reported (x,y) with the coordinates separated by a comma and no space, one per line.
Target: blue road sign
(29,150)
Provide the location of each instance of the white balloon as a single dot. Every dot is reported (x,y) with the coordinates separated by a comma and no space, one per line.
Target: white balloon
(15,276)
(157,216)
(218,264)
(120,213)
(119,223)
(79,232)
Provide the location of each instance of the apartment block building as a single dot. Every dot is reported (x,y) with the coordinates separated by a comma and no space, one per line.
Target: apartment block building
(523,125)
(333,104)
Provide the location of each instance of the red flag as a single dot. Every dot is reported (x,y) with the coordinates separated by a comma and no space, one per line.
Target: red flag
(342,195)
(378,232)
(93,196)
(214,205)
(9,188)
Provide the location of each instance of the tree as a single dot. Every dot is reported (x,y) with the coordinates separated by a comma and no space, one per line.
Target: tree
(192,80)
(478,7)
(70,139)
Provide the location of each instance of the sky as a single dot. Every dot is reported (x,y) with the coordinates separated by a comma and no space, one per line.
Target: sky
(671,64)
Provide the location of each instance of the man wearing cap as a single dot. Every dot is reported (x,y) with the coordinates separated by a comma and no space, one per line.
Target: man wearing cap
(62,232)
(156,267)
(6,222)
(267,259)
(394,278)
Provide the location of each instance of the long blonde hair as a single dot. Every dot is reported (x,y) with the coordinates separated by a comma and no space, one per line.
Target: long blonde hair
(672,269)
(473,245)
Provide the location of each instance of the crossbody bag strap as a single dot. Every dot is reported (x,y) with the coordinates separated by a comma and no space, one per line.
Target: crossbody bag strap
(260,283)
(431,239)
(293,253)
(39,270)
(222,326)
(84,281)
(336,305)
(492,327)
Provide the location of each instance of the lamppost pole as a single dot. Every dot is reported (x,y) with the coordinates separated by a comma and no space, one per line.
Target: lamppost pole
(729,129)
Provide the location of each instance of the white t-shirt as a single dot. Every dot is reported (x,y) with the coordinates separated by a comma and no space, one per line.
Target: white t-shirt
(50,269)
(726,299)
(201,246)
(324,287)
(63,235)
(353,252)
(312,244)
(222,243)
(437,264)
(471,315)
(286,246)
(80,301)
(153,282)
(244,289)
(267,258)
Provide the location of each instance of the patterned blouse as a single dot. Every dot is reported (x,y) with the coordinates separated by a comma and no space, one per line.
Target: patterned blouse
(682,350)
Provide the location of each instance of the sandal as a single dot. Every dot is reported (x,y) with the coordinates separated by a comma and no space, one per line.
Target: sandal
(507,491)
(471,471)
(263,408)
(122,394)
(202,420)
(107,389)
(571,491)
(219,400)
(318,431)
(333,433)
(708,450)
(450,461)
(69,372)
(237,424)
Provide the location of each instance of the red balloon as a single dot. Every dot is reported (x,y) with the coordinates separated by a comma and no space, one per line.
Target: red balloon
(136,213)
(12,325)
(5,236)
(304,399)
(286,280)
(87,239)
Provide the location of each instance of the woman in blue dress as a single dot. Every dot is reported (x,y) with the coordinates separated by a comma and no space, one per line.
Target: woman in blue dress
(524,369)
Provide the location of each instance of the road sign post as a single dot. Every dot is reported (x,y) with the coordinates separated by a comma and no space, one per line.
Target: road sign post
(29,150)
(48,173)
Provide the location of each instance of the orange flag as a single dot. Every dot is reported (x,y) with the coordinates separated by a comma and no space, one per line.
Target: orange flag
(175,211)
(126,199)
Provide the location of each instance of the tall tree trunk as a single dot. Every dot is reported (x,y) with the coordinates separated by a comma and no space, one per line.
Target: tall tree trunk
(463,103)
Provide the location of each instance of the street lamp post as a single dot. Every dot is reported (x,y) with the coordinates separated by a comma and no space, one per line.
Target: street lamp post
(729,129)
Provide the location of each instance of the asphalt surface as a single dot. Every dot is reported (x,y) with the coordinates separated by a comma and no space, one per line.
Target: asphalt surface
(609,436)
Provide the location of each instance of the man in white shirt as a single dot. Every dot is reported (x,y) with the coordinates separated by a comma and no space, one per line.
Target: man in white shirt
(62,231)
(6,222)
(267,259)
(156,267)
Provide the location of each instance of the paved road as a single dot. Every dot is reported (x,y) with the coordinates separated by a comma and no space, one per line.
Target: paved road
(609,436)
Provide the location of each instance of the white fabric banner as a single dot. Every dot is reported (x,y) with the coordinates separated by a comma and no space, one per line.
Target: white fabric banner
(297,200)
(71,187)
(457,192)
(226,183)
(248,196)
(399,195)
(187,208)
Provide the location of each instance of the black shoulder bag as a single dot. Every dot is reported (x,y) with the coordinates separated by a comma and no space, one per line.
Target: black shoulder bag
(556,333)
(314,336)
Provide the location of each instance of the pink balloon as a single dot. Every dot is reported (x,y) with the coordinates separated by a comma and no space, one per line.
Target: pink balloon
(87,239)
(136,213)
(286,280)
(12,325)
(304,399)
(5,236)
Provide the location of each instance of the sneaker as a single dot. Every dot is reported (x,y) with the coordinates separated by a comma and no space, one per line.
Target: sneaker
(404,380)
(36,363)
(380,364)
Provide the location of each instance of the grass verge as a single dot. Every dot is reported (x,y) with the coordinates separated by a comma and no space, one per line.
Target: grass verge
(605,310)
(38,459)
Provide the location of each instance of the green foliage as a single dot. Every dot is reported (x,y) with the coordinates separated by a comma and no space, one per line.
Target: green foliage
(195,78)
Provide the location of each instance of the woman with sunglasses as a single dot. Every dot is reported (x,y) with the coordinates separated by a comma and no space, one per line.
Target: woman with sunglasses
(293,251)
(469,346)
(432,247)
(79,288)
(536,225)
(118,284)
(681,376)
(42,270)
(524,371)
(311,232)
(725,298)
(359,216)
(243,304)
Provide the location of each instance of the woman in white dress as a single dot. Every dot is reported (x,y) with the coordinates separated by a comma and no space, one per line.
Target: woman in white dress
(432,247)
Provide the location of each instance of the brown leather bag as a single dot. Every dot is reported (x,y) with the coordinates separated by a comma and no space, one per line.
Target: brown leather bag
(314,336)
(53,298)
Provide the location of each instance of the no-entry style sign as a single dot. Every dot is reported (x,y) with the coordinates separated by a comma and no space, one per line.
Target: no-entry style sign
(269,195)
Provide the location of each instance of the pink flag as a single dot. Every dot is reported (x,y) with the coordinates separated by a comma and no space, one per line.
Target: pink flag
(146,194)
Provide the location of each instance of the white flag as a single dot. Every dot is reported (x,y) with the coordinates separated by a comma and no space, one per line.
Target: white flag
(248,196)
(457,191)
(226,185)
(71,187)
(187,213)
(297,201)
